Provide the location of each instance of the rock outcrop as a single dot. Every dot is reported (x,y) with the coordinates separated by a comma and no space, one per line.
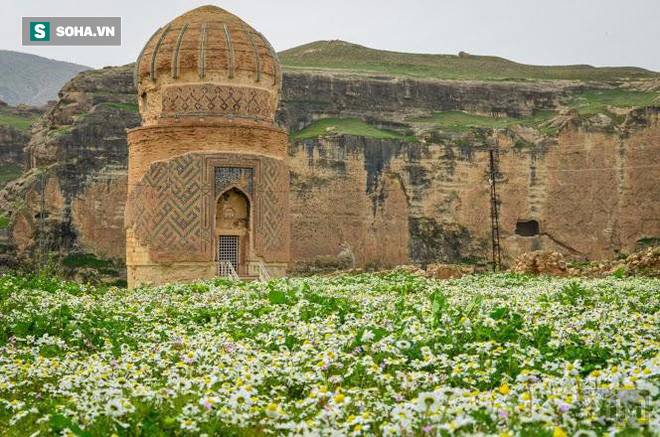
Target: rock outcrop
(308,95)
(15,132)
(591,185)
(71,198)
(541,262)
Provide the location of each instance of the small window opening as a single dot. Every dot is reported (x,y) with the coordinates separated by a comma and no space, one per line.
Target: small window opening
(144,101)
(528,228)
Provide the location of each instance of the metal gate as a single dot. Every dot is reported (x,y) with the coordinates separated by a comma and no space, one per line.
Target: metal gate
(228,251)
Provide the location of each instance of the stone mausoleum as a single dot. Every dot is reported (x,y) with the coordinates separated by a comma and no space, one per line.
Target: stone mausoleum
(208,178)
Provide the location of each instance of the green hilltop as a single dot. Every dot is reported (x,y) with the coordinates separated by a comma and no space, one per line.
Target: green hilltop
(340,55)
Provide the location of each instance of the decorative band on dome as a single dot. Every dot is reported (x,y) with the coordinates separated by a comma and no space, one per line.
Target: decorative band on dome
(208,99)
(136,70)
(175,60)
(230,52)
(273,54)
(257,61)
(155,53)
(202,53)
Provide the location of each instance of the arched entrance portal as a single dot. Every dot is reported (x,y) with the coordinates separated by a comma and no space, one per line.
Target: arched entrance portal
(232,229)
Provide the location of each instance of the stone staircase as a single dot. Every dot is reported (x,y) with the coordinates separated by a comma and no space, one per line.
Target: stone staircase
(247,278)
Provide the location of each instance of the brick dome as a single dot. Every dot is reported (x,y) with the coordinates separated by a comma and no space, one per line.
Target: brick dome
(208,63)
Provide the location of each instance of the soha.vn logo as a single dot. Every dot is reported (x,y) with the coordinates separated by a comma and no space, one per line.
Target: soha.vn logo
(71,31)
(39,31)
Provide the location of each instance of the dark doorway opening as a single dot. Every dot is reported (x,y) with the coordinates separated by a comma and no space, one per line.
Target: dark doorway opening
(528,228)
(232,227)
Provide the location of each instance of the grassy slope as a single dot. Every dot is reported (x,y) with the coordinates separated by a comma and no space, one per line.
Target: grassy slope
(9,173)
(458,121)
(594,102)
(355,58)
(346,56)
(345,126)
(23,124)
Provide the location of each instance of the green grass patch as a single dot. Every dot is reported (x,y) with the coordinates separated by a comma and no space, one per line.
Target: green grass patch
(594,102)
(133,107)
(23,124)
(4,221)
(341,55)
(459,121)
(644,242)
(9,173)
(346,126)
(86,260)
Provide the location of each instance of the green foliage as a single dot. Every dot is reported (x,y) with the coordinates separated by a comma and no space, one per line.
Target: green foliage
(4,221)
(459,121)
(619,273)
(644,242)
(594,102)
(172,360)
(573,293)
(351,57)
(85,260)
(8,173)
(277,297)
(346,126)
(438,304)
(132,107)
(21,123)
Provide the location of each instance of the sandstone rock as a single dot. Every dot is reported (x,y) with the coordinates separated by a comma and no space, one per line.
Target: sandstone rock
(78,151)
(526,134)
(414,270)
(600,121)
(305,94)
(645,262)
(14,137)
(395,201)
(449,271)
(541,262)
(443,271)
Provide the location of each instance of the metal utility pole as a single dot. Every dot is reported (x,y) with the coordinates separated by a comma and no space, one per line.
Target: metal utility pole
(494,211)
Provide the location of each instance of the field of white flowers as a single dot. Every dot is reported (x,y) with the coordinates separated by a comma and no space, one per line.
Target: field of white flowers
(389,354)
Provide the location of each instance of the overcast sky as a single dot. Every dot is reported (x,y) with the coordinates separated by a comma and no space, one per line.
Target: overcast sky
(547,32)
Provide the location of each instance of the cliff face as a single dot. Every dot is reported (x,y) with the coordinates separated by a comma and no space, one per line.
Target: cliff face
(71,198)
(307,96)
(15,125)
(12,142)
(421,194)
(593,193)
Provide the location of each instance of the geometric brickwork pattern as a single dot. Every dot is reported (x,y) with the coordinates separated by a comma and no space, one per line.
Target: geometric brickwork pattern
(240,177)
(217,100)
(274,198)
(172,209)
(167,210)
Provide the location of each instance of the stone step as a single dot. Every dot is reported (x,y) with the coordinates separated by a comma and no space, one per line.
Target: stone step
(249,278)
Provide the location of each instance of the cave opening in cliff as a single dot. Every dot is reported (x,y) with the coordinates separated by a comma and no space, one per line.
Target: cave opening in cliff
(528,228)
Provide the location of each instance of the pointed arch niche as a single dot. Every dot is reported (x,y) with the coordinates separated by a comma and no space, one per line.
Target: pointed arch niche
(233,229)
